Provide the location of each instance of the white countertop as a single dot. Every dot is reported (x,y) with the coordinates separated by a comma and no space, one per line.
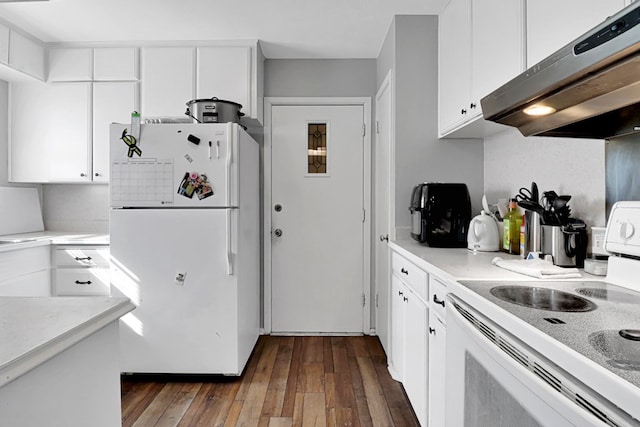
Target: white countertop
(35,329)
(461,263)
(11,242)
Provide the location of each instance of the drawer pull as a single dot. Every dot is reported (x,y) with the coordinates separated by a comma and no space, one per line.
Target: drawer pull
(80,282)
(432,331)
(86,258)
(437,301)
(400,293)
(402,270)
(405,299)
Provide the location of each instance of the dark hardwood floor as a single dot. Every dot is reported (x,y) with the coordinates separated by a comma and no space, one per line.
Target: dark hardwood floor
(288,381)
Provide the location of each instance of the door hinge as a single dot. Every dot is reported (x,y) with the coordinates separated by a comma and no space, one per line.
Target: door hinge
(364,299)
(364,129)
(364,215)
(377,300)
(377,126)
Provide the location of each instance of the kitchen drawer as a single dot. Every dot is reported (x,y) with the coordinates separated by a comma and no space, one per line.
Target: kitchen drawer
(437,294)
(81,281)
(79,256)
(414,277)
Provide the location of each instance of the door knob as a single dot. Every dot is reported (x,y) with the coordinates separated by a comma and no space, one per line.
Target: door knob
(277,232)
(385,237)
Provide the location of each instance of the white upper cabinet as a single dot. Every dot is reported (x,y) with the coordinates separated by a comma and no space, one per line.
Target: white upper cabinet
(112,102)
(554,24)
(70,65)
(116,64)
(26,55)
(224,72)
(454,63)
(168,81)
(497,45)
(55,149)
(479,50)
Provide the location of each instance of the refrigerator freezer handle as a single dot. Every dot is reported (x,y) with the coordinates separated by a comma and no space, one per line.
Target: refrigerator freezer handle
(228,244)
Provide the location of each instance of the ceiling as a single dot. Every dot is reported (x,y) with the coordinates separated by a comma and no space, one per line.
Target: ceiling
(286,28)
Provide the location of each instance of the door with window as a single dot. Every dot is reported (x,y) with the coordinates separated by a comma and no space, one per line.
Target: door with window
(317,219)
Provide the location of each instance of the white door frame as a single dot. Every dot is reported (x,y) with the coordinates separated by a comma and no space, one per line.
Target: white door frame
(365,102)
(387,84)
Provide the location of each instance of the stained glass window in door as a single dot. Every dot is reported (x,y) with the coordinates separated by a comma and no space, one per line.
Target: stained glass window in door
(317,148)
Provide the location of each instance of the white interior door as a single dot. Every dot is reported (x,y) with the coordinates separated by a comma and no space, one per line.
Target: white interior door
(382,207)
(317,219)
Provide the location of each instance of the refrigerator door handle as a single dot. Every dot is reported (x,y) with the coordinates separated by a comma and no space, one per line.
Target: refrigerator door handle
(228,244)
(229,161)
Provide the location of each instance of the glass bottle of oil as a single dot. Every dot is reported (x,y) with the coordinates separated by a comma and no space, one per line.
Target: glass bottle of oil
(512,222)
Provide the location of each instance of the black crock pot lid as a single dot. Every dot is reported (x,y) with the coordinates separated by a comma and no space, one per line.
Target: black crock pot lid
(214,99)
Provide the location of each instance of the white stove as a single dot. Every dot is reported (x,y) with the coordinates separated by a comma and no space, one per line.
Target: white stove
(573,347)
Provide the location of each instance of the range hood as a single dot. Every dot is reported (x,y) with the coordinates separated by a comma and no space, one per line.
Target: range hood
(588,89)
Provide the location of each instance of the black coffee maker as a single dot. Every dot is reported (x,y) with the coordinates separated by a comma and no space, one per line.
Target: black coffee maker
(440,214)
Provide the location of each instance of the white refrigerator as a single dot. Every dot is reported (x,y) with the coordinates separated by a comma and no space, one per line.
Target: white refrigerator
(184,231)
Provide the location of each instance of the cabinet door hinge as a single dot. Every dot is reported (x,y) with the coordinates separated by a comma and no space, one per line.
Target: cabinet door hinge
(364,215)
(364,299)
(377,126)
(364,129)
(377,300)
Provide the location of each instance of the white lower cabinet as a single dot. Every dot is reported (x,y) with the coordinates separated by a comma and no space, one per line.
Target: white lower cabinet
(81,270)
(25,272)
(437,348)
(409,334)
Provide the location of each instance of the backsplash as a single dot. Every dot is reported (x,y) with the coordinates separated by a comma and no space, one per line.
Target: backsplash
(567,166)
(76,207)
(623,174)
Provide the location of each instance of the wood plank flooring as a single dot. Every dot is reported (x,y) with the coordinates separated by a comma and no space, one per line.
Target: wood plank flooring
(288,381)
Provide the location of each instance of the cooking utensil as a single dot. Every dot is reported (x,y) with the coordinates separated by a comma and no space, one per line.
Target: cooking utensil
(531,206)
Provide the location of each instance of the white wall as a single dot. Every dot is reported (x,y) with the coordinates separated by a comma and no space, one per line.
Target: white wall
(411,49)
(567,166)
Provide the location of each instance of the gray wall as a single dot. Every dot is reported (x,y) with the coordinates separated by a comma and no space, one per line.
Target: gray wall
(320,77)
(411,50)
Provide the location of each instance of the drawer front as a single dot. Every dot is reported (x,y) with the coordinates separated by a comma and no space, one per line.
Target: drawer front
(437,294)
(82,281)
(79,256)
(414,277)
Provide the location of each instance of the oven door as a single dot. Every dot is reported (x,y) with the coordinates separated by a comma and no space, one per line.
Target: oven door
(491,380)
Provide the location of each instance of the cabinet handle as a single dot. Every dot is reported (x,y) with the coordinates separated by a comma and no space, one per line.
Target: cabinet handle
(86,258)
(97,174)
(472,105)
(432,331)
(437,301)
(405,299)
(79,282)
(400,293)
(82,175)
(463,111)
(403,271)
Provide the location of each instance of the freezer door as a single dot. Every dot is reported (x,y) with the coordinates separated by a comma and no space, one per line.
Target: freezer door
(172,263)
(174,165)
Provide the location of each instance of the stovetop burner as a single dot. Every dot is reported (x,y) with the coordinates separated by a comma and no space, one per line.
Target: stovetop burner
(612,295)
(621,353)
(542,298)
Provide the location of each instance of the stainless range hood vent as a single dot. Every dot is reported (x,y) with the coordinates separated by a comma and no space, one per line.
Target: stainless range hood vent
(591,86)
